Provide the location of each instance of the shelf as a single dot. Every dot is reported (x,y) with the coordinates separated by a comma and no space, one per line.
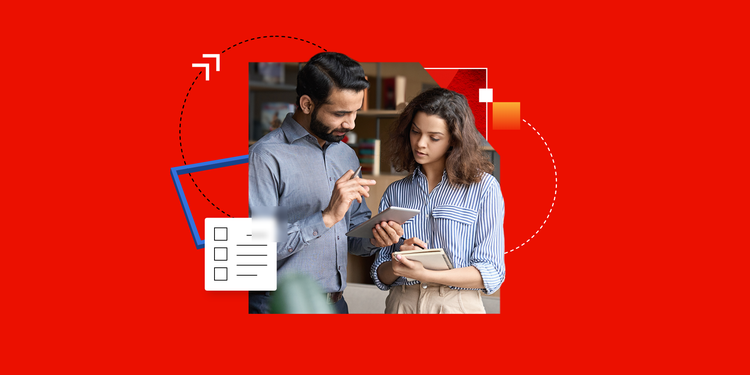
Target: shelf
(379,113)
(263,86)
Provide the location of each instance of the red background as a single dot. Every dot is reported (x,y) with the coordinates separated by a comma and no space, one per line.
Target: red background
(639,267)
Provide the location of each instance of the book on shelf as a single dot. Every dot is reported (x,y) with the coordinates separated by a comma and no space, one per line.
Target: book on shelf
(369,156)
(272,72)
(394,91)
(351,139)
(272,115)
(365,106)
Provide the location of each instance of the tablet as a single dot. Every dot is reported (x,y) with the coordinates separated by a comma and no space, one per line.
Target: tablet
(397,214)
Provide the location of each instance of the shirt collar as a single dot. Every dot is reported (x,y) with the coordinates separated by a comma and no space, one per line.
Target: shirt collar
(418,172)
(292,129)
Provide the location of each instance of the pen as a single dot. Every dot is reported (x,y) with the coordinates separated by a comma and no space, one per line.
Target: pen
(356,173)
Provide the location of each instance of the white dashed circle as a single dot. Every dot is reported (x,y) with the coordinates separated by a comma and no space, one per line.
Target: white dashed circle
(554,197)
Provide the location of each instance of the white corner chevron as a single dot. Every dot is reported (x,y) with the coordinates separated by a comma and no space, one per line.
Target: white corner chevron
(209,55)
(215,56)
(202,66)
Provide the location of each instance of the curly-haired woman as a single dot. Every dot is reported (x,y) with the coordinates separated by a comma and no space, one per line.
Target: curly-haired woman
(461,210)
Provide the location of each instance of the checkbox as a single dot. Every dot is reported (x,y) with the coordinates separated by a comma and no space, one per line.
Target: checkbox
(220,273)
(220,253)
(220,234)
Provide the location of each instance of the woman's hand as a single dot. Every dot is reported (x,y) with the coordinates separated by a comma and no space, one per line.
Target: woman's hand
(386,234)
(413,244)
(405,267)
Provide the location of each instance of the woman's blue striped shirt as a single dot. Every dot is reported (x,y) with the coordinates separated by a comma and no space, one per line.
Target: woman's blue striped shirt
(466,221)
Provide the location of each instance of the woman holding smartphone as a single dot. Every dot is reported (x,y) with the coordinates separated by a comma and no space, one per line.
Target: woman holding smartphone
(461,210)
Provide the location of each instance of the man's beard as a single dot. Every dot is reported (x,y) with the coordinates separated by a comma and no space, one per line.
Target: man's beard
(321,130)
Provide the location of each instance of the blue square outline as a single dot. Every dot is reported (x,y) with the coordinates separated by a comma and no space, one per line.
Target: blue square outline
(175,172)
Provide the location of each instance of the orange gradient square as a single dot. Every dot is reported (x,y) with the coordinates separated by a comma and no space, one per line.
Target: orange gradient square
(506,116)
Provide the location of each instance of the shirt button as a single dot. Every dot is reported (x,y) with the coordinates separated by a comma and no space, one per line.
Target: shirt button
(337,237)
(290,249)
(339,268)
(315,233)
(424,286)
(330,178)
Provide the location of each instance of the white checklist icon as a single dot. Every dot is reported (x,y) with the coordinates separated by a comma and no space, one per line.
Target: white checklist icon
(238,255)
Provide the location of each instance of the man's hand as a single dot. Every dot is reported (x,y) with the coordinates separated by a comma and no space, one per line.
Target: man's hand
(386,234)
(348,188)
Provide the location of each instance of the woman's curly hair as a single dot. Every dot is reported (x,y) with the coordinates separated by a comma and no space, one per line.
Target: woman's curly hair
(464,161)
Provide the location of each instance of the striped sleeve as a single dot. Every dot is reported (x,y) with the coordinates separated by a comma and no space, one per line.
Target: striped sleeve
(489,244)
(384,255)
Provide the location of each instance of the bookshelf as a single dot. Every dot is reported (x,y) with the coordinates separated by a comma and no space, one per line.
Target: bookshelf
(379,113)
(372,123)
(261,90)
(263,86)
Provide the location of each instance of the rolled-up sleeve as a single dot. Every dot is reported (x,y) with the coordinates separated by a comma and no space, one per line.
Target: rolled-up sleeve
(489,246)
(384,255)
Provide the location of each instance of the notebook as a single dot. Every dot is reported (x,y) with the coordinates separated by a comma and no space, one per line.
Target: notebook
(431,259)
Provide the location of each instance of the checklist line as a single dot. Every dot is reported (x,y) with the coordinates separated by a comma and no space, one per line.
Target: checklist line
(246,275)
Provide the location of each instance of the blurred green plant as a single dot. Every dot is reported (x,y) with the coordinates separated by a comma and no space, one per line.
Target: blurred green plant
(298,294)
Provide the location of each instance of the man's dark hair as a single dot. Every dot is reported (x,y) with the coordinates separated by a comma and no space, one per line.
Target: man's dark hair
(325,71)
